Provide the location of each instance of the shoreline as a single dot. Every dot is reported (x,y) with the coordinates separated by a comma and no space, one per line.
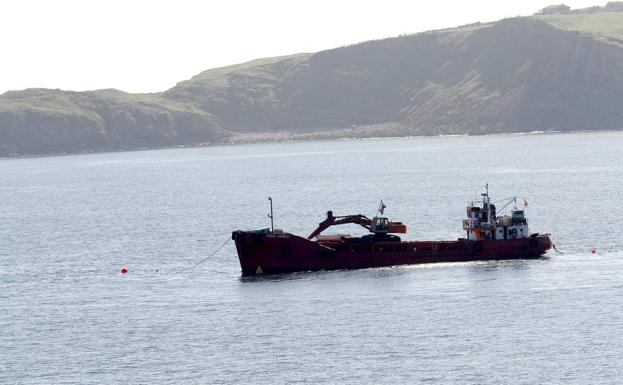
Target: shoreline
(289,137)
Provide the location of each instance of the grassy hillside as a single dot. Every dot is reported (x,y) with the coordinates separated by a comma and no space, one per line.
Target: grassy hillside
(520,74)
(244,96)
(39,121)
(607,25)
(554,72)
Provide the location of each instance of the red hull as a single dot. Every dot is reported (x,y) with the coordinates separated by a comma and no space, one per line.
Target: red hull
(279,253)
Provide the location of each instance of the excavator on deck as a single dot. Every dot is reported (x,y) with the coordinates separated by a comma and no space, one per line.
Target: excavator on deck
(379,227)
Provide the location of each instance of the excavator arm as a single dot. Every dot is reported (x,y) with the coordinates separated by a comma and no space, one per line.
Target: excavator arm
(359,219)
(378,225)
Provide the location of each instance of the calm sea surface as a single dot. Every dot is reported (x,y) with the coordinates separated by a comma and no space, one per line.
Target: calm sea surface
(68,224)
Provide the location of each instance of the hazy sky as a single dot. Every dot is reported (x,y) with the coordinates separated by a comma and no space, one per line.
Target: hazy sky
(147,46)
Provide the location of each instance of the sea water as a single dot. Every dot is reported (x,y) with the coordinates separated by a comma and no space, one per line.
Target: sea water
(68,224)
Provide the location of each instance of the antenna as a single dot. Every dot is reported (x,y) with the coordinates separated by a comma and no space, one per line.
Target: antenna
(272,225)
(485,196)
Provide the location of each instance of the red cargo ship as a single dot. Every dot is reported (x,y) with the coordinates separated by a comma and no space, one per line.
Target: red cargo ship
(488,237)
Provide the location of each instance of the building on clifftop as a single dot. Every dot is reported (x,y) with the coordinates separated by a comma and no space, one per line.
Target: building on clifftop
(560,9)
(616,6)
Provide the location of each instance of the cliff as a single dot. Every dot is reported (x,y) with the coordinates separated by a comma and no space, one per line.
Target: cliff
(546,72)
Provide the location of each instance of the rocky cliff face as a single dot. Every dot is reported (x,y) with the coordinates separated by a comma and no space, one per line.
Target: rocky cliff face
(515,75)
(521,74)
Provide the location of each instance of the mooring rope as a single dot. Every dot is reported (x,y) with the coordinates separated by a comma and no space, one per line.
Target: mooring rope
(556,250)
(206,258)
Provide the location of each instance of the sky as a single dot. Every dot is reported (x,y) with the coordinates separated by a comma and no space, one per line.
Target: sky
(149,46)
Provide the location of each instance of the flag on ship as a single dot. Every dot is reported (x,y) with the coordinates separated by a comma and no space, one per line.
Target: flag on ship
(382,207)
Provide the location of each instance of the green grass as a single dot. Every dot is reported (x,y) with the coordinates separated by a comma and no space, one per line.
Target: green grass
(249,67)
(608,25)
(83,103)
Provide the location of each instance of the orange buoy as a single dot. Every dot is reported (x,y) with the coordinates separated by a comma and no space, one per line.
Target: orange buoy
(124,270)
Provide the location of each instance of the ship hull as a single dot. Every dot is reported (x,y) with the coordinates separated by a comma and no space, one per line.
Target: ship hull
(271,253)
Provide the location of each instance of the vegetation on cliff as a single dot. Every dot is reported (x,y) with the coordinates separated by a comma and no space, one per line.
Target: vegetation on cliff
(546,72)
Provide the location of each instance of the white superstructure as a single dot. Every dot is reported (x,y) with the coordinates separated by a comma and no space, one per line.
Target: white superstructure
(483,223)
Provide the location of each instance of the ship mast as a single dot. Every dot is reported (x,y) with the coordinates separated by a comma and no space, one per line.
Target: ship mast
(272,225)
(485,203)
